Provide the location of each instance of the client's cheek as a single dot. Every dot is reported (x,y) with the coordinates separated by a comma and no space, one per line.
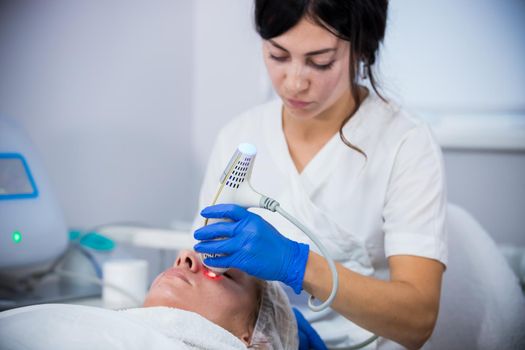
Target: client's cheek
(155,281)
(150,299)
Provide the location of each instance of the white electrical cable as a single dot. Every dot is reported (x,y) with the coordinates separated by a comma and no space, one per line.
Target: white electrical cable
(359,345)
(235,187)
(273,205)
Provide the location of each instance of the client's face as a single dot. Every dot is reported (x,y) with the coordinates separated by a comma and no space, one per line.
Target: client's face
(229,301)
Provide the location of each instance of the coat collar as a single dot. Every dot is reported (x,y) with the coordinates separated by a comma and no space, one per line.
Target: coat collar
(326,160)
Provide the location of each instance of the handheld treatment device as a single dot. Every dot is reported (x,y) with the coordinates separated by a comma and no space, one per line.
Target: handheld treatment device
(235,187)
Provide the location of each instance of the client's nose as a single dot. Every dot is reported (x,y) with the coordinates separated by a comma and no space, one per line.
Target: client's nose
(188,260)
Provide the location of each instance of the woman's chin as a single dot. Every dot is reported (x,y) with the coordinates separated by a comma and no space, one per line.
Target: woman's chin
(300,114)
(160,297)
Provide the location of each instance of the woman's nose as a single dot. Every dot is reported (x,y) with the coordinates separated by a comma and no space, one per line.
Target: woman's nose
(296,80)
(188,260)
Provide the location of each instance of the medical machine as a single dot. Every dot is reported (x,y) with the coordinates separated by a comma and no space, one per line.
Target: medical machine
(33,233)
(235,187)
(32,226)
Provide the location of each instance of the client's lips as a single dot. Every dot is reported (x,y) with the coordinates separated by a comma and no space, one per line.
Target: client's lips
(176,273)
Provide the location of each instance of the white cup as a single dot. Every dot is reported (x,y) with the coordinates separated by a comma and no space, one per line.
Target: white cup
(125,283)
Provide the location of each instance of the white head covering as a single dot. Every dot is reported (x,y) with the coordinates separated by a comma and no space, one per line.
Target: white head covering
(276,327)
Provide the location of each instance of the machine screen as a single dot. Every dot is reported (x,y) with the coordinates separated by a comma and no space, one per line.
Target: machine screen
(15,178)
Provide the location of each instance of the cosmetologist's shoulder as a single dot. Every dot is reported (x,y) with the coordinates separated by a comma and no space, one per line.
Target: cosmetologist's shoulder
(393,123)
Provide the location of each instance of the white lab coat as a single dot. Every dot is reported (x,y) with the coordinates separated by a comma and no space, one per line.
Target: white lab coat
(363,210)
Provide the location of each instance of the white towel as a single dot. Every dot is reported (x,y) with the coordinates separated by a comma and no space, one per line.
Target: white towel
(65,327)
(192,329)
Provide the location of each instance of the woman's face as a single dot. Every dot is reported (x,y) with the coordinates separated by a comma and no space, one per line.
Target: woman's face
(229,301)
(309,69)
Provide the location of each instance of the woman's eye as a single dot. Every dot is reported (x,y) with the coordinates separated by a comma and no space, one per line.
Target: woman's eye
(325,66)
(317,66)
(278,58)
(227,275)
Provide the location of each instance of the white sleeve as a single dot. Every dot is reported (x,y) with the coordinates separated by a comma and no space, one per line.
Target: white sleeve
(415,204)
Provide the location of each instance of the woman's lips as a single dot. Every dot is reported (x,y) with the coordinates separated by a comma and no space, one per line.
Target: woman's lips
(175,272)
(297,103)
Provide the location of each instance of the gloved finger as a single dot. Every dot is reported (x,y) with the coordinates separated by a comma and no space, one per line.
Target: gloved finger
(230,259)
(216,230)
(230,211)
(220,261)
(219,246)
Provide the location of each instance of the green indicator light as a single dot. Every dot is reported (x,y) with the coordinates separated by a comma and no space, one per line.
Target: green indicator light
(17,237)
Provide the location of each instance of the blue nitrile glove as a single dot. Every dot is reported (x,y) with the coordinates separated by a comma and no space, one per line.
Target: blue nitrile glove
(308,337)
(251,245)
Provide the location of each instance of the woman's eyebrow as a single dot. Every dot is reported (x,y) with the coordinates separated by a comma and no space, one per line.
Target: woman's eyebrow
(311,53)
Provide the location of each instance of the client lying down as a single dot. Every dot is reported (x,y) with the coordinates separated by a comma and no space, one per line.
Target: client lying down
(185,308)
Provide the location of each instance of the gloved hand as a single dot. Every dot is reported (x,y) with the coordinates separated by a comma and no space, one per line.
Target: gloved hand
(308,337)
(251,245)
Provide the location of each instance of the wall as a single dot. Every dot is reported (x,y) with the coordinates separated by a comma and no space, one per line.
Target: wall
(229,72)
(104,90)
(456,55)
(459,63)
(491,185)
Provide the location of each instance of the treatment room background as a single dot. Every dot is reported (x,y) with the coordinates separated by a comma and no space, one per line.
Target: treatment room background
(123,98)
